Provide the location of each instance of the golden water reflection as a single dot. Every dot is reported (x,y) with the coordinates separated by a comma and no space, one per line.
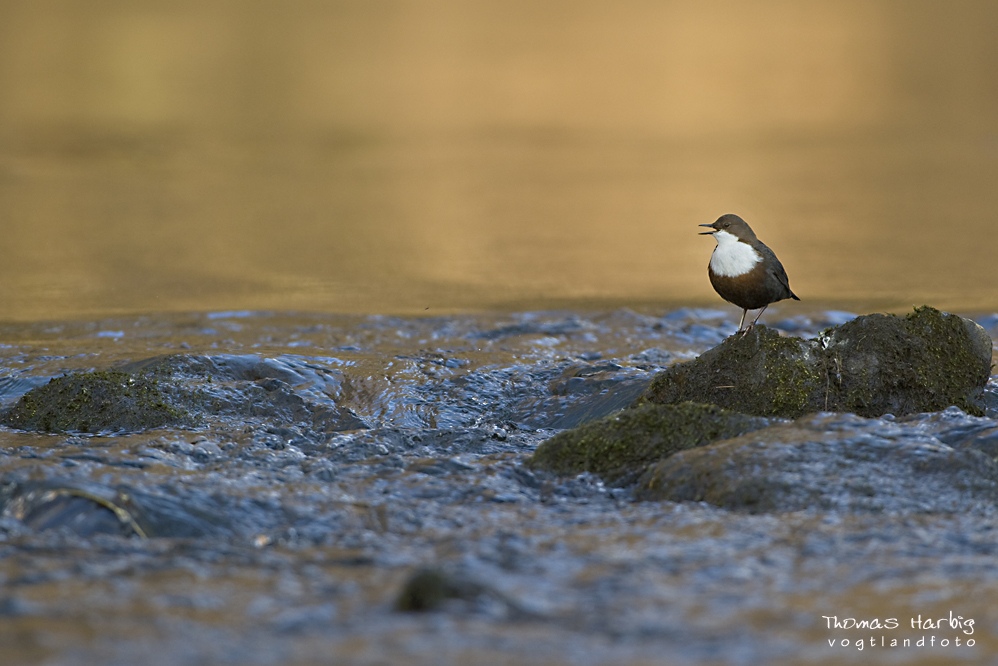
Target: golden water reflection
(397,156)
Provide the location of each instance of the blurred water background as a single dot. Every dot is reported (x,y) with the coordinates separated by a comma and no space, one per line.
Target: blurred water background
(388,157)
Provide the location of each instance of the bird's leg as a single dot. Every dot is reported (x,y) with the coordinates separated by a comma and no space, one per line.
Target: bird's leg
(749,327)
(744,312)
(758,315)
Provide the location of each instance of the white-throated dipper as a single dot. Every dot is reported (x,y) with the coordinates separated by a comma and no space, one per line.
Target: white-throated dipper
(743,270)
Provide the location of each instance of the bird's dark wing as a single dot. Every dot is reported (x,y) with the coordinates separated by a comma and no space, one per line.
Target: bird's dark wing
(776,269)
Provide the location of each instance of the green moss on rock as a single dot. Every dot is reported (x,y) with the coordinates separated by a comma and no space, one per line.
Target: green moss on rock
(872,365)
(924,362)
(621,446)
(104,401)
(759,373)
(818,463)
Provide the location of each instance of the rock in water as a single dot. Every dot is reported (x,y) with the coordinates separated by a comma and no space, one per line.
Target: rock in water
(872,365)
(925,362)
(759,373)
(620,447)
(817,462)
(104,401)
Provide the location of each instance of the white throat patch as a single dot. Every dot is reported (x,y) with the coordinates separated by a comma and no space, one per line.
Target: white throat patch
(732,257)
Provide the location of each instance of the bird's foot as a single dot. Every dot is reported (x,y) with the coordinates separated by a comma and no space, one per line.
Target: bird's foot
(745,330)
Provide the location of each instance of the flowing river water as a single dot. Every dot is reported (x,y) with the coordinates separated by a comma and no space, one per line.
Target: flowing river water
(284,535)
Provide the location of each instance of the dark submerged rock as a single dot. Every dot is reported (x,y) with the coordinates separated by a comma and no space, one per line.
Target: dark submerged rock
(621,446)
(872,365)
(428,589)
(431,589)
(809,464)
(247,386)
(83,508)
(577,399)
(87,508)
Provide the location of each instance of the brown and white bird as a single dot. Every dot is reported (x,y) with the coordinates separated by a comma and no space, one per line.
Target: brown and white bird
(743,270)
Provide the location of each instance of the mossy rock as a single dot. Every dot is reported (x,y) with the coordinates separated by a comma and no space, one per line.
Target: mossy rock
(817,462)
(924,362)
(759,373)
(621,446)
(175,390)
(92,402)
(872,365)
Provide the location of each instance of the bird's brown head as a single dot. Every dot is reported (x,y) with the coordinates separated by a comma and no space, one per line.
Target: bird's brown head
(732,224)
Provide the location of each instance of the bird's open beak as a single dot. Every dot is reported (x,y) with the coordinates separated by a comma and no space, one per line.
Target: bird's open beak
(707,233)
